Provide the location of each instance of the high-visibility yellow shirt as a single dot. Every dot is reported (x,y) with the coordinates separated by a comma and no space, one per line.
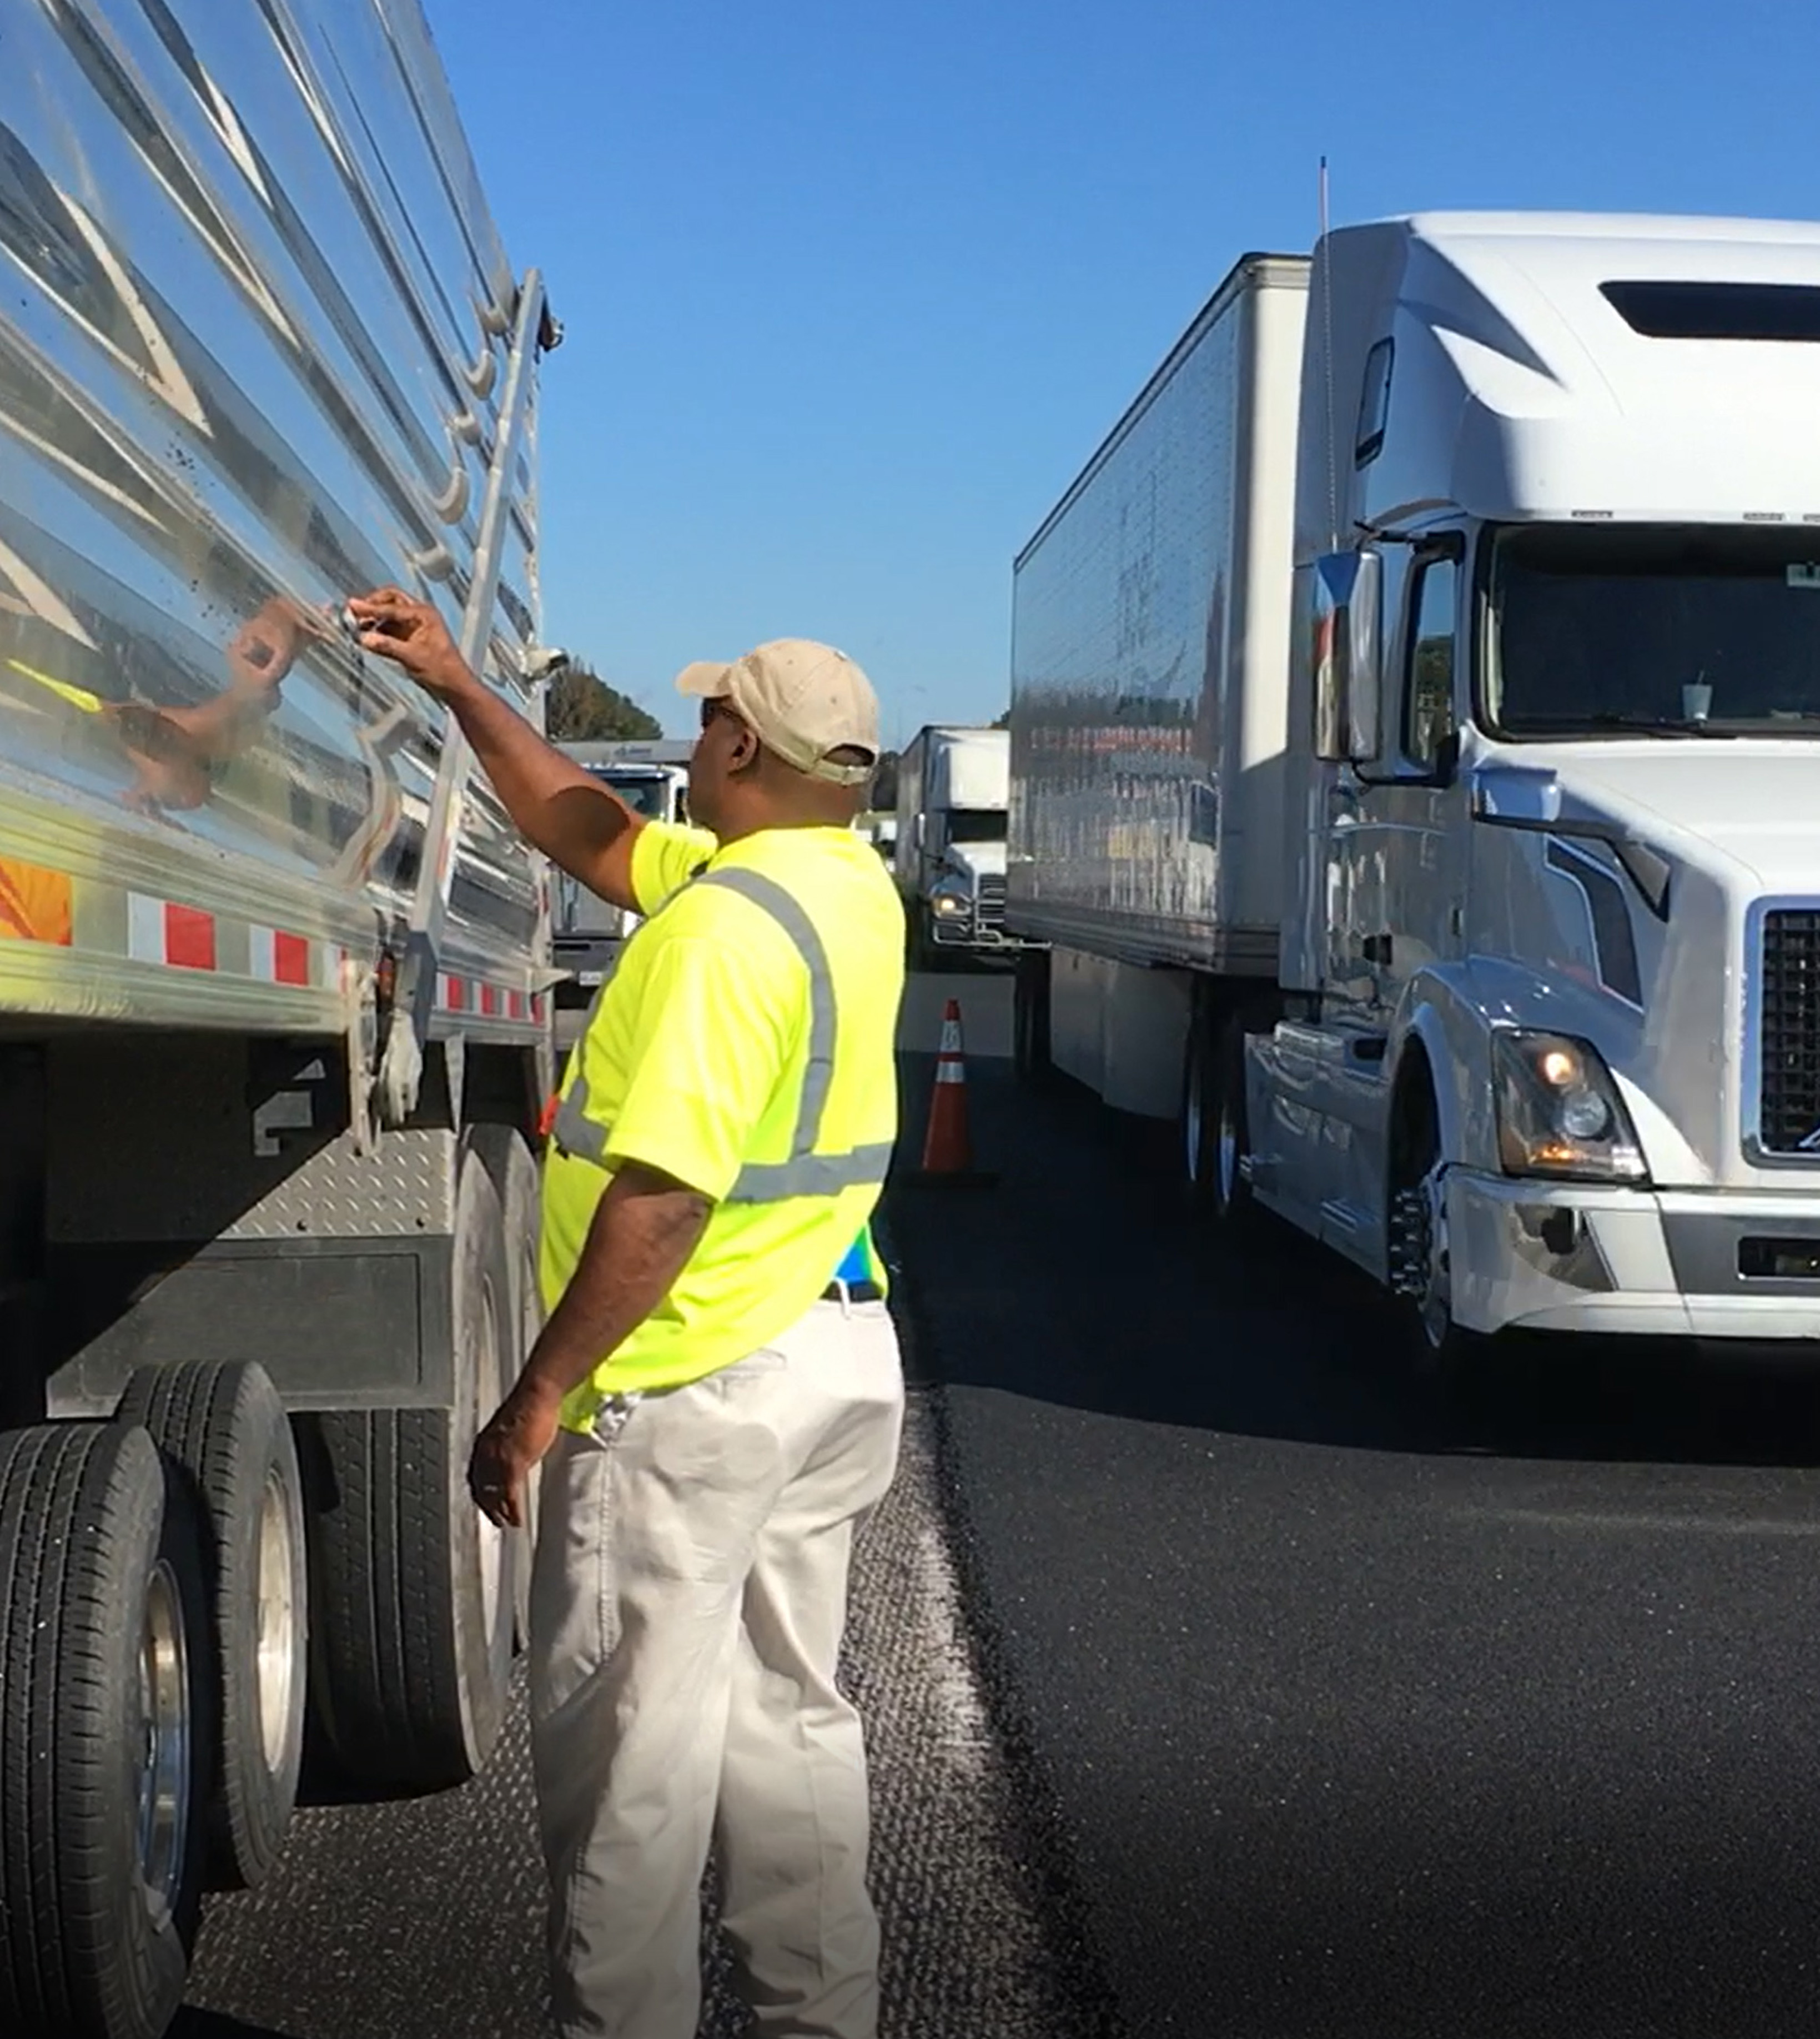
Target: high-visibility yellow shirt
(744,1046)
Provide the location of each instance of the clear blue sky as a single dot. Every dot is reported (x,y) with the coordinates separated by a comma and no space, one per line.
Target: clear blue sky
(852,291)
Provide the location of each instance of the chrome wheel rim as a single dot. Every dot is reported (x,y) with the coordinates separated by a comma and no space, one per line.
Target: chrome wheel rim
(162,1779)
(489,1392)
(276,1659)
(1228,1154)
(1421,1270)
(1193,1114)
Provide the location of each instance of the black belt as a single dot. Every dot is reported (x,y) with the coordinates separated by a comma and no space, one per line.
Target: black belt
(853,1292)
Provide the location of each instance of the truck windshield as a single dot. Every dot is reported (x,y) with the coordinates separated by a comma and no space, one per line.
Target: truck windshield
(1677,630)
(644,796)
(976,825)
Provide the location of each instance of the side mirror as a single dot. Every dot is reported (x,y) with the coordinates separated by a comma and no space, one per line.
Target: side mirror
(919,832)
(1515,795)
(1346,657)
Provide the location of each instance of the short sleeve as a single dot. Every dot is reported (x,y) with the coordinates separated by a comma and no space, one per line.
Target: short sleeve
(665,856)
(713,1037)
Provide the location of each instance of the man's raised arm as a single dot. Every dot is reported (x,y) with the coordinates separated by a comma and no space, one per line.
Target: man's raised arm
(580,825)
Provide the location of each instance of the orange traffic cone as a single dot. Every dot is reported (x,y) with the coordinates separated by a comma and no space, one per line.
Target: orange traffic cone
(948,1148)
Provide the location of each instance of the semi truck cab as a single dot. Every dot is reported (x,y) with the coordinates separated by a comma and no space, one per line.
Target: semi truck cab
(1548,1050)
(953,797)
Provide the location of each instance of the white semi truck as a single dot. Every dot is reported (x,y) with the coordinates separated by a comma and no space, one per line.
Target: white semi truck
(953,786)
(273,966)
(1416,725)
(651,775)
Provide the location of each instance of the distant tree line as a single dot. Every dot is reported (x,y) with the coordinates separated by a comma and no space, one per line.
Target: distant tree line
(583,708)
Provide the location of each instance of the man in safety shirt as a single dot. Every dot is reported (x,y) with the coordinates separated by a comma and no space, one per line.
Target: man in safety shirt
(716,1398)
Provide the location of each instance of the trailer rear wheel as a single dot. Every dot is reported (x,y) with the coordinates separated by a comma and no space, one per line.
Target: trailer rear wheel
(222,1424)
(1030,1016)
(1230,1194)
(1199,1110)
(101,1605)
(412,1642)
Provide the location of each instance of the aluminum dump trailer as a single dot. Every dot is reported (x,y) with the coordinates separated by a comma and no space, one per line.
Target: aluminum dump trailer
(273,966)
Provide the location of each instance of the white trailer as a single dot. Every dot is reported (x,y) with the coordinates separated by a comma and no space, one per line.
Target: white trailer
(273,966)
(949,848)
(1444,855)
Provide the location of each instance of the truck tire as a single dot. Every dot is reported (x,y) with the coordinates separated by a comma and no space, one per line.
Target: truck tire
(101,1597)
(1200,1087)
(509,1162)
(222,1423)
(1230,1198)
(1442,1355)
(1031,1018)
(412,1639)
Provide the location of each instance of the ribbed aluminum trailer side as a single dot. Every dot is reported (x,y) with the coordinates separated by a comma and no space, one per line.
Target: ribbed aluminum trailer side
(273,968)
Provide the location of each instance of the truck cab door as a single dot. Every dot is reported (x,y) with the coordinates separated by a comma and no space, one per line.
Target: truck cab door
(1404,873)
(1422,873)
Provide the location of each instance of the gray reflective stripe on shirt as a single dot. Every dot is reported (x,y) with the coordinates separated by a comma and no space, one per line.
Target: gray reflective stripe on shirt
(572,1130)
(806,1173)
(810,1175)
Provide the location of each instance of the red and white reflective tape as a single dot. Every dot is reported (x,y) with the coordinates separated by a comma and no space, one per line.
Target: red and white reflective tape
(278,957)
(487,1001)
(41,905)
(170,936)
(178,937)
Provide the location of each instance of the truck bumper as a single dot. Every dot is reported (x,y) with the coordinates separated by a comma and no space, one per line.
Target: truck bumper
(1682,1263)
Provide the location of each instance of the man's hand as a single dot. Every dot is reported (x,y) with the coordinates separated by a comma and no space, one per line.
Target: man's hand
(413,635)
(581,825)
(511,1449)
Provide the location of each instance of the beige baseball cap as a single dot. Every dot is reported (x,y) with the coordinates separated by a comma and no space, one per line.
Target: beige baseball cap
(800,699)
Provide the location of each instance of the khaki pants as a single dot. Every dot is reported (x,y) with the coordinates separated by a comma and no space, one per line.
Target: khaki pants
(688,1601)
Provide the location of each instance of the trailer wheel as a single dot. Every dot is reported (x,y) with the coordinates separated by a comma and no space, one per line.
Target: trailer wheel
(1200,1088)
(221,1423)
(1030,1016)
(412,1642)
(102,1602)
(1230,1194)
(514,1172)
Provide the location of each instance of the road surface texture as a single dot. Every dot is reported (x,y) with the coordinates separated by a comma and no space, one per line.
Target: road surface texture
(1356,1721)
(424,1920)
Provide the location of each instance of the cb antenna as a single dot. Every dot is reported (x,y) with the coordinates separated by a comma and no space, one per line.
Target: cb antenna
(1326,268)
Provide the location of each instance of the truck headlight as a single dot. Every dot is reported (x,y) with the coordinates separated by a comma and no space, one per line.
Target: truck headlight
(950,905)
(1559,1112)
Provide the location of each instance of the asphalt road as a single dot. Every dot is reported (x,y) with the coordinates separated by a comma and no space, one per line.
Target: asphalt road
(1219,1684)
(426,1921)
(1347,1717)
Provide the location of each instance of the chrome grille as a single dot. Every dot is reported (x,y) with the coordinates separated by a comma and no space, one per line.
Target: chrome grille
(992,902)
(1788,1032)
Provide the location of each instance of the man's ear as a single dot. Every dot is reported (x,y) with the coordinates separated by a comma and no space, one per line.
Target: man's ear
(745,751)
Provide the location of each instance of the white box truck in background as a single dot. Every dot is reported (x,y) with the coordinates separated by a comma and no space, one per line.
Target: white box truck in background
(274,965)
(1415,719)
(651,775)
(952,786)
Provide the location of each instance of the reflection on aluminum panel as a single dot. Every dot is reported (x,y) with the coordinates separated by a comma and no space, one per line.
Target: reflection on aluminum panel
(251,306)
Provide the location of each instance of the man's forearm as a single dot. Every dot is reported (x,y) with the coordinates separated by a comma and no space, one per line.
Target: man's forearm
(644,1229)
(564,811)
